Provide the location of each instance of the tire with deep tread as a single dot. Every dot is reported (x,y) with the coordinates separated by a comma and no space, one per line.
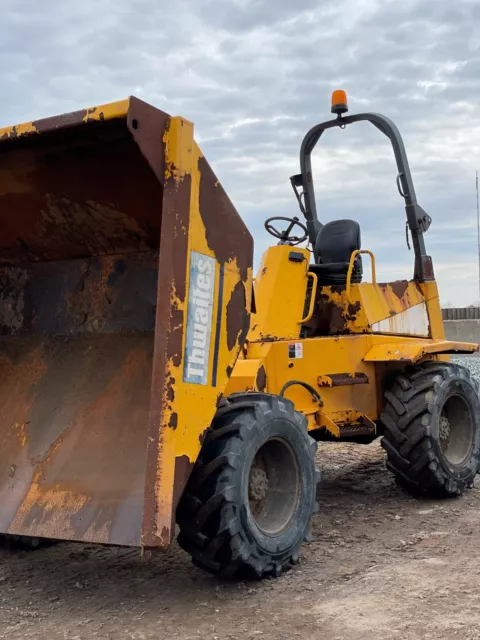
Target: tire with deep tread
(414,407)
(25,543)
(217,527)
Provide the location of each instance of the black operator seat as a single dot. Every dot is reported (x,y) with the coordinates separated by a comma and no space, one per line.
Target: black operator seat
(336,241)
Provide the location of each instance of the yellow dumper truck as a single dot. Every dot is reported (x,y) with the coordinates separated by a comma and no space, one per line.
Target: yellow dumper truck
(147,380)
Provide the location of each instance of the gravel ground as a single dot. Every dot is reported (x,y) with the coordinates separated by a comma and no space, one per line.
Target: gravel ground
(471,362)
(381,566)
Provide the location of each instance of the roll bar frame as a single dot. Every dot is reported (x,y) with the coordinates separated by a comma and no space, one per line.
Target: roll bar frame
(418,220)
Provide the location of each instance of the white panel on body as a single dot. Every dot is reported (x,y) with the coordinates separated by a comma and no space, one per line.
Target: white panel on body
(411,322)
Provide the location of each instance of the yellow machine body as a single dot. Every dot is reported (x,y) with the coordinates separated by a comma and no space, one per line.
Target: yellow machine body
(357,335)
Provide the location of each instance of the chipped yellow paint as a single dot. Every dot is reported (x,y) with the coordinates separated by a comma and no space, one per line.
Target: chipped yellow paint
(194,405)
(333,422)
(109,111)
(166,454)
(325,422)
(369,303)
(351,348)
(325,356)
(326,381)
(281,290)
(179,143)
(17,130)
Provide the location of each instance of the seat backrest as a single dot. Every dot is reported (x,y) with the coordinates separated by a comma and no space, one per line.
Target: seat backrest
(337,240)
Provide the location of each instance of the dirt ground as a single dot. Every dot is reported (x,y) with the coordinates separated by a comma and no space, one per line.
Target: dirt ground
(381,566)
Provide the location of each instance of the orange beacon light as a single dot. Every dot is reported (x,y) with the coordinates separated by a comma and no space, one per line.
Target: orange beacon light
(339,102)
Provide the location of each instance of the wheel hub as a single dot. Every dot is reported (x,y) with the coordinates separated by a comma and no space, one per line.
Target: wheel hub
(274,486)
(456,430)
(444,428)
(258,486)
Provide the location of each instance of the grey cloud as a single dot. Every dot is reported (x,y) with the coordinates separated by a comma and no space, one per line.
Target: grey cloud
(255,75)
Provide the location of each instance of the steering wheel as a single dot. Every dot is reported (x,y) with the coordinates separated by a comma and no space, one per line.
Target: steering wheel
(284,236)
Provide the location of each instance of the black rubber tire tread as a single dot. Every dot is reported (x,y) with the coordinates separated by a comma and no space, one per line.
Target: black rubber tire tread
(212,529)
(411,435)
(25,543)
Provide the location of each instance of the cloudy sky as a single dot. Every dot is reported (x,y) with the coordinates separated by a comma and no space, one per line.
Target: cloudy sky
(254,75)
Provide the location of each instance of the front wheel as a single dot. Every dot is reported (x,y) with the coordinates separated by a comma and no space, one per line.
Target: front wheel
(432,429)
(248,504)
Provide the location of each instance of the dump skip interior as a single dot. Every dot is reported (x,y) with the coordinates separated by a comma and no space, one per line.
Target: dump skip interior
(80,211)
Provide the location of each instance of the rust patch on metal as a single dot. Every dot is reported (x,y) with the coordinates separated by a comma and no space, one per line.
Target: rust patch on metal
(79,464)
(142,120)
(342,379)
(221,218)
(169,328)
(353,430)
(170,395)
(176,328)
(399,287)
(238,318)
(61,122)
(418,287)
(261,379)
(88,334)
(267,337)
(80,296)
(183,469)
(62,211)
(75,375)
(337,321)
(352,310)
(330,318)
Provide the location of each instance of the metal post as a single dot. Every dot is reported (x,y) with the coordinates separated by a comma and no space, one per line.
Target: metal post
(478,236)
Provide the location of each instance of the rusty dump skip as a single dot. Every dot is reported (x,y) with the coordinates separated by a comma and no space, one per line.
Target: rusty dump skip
(83,203)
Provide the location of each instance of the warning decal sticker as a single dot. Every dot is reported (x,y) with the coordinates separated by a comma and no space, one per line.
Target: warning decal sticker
(295,350)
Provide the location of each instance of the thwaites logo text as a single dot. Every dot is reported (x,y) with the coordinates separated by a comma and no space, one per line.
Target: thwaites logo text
(199,318)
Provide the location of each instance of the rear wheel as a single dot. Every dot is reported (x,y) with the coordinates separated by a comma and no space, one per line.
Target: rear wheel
(249,501)
(24,543)
(432,429)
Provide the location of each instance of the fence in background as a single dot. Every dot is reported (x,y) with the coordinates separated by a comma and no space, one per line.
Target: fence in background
(461,313)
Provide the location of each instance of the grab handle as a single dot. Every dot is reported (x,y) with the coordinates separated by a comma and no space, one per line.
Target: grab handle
(352,264)
(313,295)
